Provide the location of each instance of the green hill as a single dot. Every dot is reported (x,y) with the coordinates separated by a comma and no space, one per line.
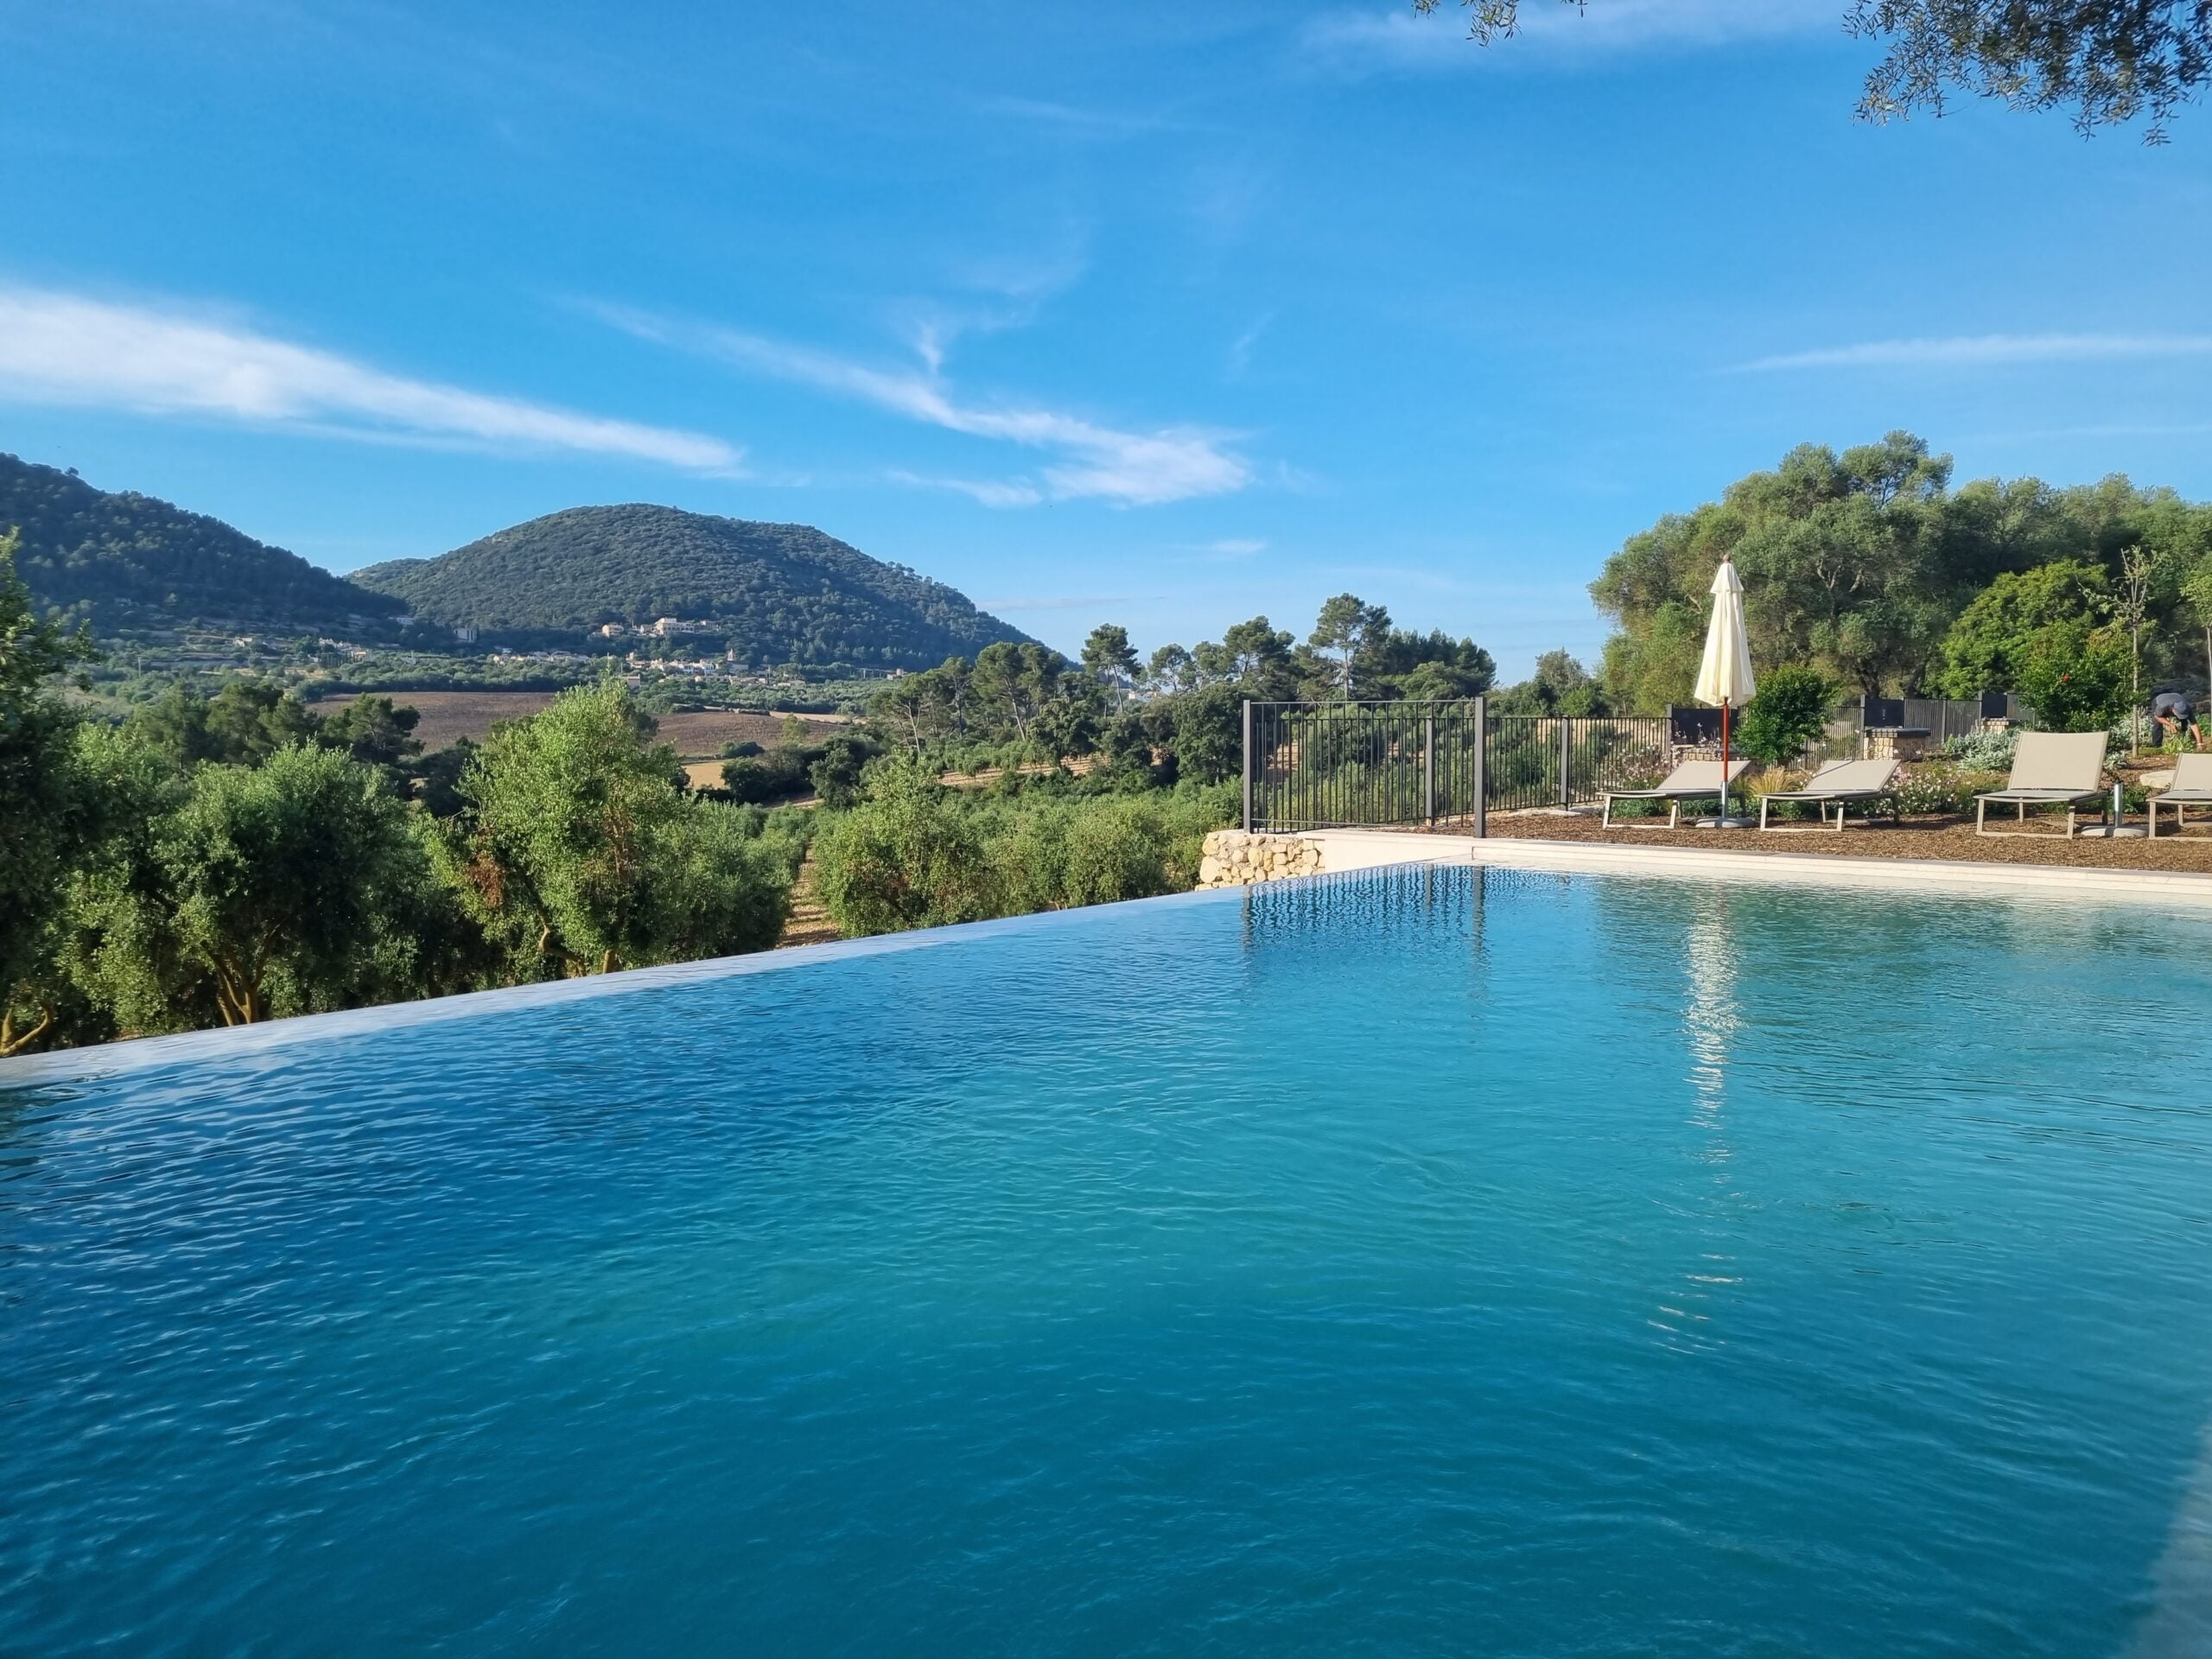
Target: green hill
(772,592)
(129,562)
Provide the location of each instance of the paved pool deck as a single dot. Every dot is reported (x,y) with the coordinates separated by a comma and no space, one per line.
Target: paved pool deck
(1748,856)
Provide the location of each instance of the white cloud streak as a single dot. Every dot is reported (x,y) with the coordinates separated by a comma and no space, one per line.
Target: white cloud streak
(1078,122)
(1550,31)
(1982,351)
(63,348)
(1093,462)
(990,491)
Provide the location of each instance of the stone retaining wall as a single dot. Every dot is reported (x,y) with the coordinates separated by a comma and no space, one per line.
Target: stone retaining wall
(1235,859)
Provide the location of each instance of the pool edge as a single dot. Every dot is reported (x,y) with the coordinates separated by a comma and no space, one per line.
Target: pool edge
(1346,850)
(97,1060)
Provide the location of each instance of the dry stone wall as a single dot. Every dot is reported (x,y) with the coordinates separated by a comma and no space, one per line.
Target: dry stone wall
(1235,859)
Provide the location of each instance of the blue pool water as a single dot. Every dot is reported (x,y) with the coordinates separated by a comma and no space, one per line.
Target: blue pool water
(1427,1262)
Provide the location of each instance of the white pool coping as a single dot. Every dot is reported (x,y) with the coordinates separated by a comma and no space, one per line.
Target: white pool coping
(1359,849)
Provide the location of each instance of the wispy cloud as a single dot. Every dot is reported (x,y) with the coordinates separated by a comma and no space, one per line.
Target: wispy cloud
(1014,288)
(991,492)
(933,329)
(1091,461)
(1240,349)
(1234,547)
(1550,31)
(1975,351)
(64,348)
(1076,121)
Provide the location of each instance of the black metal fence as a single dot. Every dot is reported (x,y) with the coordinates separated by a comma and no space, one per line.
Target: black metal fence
(1539,761)
(1943,719)
(1313,766)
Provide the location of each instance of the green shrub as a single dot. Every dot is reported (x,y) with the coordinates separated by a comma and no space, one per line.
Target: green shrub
(2075,678)
(1115,850)
(1790,709)
(722,889)
(910,857)
(916,855)
(1026,850)
(1985,751)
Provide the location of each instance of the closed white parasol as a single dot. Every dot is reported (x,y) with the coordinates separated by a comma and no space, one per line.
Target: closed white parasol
(1724,678)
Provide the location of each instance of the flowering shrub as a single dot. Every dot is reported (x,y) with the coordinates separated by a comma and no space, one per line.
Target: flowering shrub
(1944,789)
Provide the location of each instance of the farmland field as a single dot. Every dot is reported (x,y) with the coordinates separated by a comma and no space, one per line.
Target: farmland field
(447,715)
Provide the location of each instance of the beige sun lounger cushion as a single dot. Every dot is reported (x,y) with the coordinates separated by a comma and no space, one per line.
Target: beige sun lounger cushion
(2049,769)
(1691,781)
(1836,783)
(2192,787)
(2192,780)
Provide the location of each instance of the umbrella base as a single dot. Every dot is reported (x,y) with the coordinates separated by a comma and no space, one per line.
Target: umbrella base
(1727,823)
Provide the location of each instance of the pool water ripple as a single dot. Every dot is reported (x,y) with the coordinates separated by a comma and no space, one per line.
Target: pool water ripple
(1432,1262)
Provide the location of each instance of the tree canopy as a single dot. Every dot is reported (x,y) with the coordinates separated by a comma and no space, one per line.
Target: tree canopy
(1859,563)
(41,802)
(2109,61)
(577,853)
(234,859)
(289,885)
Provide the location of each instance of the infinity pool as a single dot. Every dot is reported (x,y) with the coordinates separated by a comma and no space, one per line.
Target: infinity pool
(1435,1262)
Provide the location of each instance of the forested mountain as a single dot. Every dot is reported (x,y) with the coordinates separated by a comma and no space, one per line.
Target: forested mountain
(773,593)
(129,561)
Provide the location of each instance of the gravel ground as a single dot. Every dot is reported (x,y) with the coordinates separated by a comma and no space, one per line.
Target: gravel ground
(1933,837)
(810,924)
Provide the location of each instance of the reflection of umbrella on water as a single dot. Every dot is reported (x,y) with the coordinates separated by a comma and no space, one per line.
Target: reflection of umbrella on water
(1725,676)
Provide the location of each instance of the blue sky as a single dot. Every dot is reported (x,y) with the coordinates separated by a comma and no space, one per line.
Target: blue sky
(1149,313)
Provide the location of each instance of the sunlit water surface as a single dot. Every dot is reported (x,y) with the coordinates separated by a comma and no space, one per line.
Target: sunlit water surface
(1426,1262)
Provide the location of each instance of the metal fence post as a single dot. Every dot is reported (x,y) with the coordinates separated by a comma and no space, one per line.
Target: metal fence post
(1566,732)
(1428,768)
(1481,768)
(1248,765)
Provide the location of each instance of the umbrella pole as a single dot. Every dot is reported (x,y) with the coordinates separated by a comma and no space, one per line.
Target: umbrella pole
(1727,806)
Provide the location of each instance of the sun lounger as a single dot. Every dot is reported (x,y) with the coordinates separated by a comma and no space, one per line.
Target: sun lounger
(2192,787)
(1693,780)
(1838,784)
(2049,769)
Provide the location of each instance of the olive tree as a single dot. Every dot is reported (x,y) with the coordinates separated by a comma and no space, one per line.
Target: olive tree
(42,804)
(909,856)
(578,853)
(2110,61)
(293,885)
